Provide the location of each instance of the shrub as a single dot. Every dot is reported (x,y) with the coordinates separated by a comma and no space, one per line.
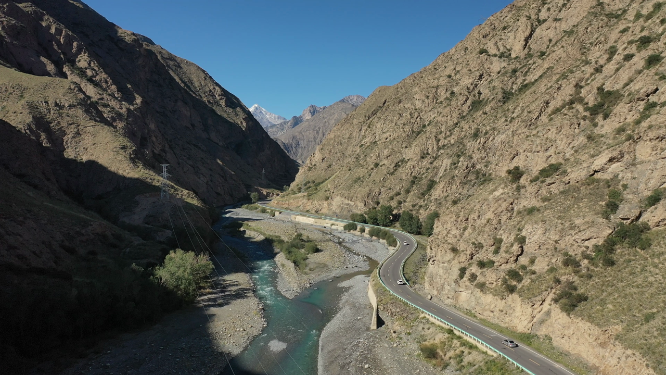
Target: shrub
(431,184)
(429,351)
(254,196)
(510,288)
(607,99)
(612,50)
(488,263)
(410,222)
(550,170)
(483,51)
(359,218)
(514,275)
(515,174)
(520,240)
(497,245)
(653,60)
(568,299)
(472,277)
(311,248)
(654,198)
(374,232)
(532,260)
(184,273)
(643,42)
(350,226)
(390,240)
(569,261)
(627,57)
(429,223)
(461,272)
(361,229)
(481,285)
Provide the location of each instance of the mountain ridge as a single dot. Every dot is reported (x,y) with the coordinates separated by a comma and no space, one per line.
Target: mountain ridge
(536,139)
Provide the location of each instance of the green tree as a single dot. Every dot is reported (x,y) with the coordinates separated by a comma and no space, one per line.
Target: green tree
(359,218)
(372,216)
(385,215)
(350,226)
(429,224)
(410,222)
(254,196)
(184,272)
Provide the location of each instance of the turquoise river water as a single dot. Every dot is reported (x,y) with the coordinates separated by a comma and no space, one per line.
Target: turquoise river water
(289,344)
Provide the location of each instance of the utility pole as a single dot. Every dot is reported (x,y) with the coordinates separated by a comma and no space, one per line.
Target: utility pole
(263,175)
(164,194)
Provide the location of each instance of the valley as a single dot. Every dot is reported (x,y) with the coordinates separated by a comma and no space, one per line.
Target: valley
(512,188)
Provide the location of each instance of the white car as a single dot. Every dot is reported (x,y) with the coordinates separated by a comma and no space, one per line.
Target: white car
(405,243)
(510,343)
(401,282)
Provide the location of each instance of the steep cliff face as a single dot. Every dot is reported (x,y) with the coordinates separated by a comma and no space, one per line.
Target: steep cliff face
(88,112)
(569,96)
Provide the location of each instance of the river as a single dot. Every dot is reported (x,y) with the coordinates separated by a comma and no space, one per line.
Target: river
(289,344)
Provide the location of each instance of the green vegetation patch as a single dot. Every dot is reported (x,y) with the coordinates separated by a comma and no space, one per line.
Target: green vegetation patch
(606,102)
(515,174)
(416,265)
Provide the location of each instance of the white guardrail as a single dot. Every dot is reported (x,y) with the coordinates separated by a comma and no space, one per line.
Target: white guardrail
(402,265)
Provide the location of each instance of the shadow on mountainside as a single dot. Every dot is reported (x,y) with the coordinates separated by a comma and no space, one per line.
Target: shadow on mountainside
(70,272)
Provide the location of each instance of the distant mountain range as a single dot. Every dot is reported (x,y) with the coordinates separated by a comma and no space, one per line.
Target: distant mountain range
(265,118)
(301,135)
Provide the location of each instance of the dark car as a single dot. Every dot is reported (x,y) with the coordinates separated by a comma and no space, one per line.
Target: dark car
(510,343)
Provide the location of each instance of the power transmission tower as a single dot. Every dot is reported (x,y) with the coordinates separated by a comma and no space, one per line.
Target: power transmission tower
(164,194)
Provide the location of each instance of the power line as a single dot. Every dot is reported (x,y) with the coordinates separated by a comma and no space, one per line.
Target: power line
(164,186)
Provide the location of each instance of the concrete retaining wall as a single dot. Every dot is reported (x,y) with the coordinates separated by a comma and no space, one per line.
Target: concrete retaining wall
(373,301)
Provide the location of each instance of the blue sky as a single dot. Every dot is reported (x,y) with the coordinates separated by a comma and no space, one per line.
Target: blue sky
(287,54)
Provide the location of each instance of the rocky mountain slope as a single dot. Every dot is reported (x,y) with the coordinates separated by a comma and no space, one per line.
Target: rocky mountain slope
(88,112)
(540,141)
(282,127)
(265,118)
(301,141)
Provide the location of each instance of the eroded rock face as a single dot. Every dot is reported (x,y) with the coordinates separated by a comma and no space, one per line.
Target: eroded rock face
(564,92)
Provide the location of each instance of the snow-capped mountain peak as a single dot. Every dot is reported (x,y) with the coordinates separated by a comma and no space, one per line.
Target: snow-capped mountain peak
(265,118)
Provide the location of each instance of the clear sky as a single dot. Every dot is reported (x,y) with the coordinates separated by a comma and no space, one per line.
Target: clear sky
(287,54)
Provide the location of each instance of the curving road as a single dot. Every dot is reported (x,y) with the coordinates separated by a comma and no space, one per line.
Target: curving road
(390,271)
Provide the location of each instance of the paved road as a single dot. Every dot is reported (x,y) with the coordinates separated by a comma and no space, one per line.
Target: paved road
(391,271)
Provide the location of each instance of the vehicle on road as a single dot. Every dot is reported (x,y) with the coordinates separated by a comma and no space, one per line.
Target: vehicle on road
(401,282)
(510,343)
(405,243)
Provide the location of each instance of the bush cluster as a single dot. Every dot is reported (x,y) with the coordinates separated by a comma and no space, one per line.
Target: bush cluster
(548,171)
(350,226)
(515,174)
(297,249)
(632,235)
(568,299)
(654,198)
(461,272)
(184,273)
(606,102)
(410,223)
(488,263)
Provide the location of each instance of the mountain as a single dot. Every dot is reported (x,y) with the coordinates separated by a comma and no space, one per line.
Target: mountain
(301,141)
(88,113)
(539,140)
(282,127)
(265,118)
